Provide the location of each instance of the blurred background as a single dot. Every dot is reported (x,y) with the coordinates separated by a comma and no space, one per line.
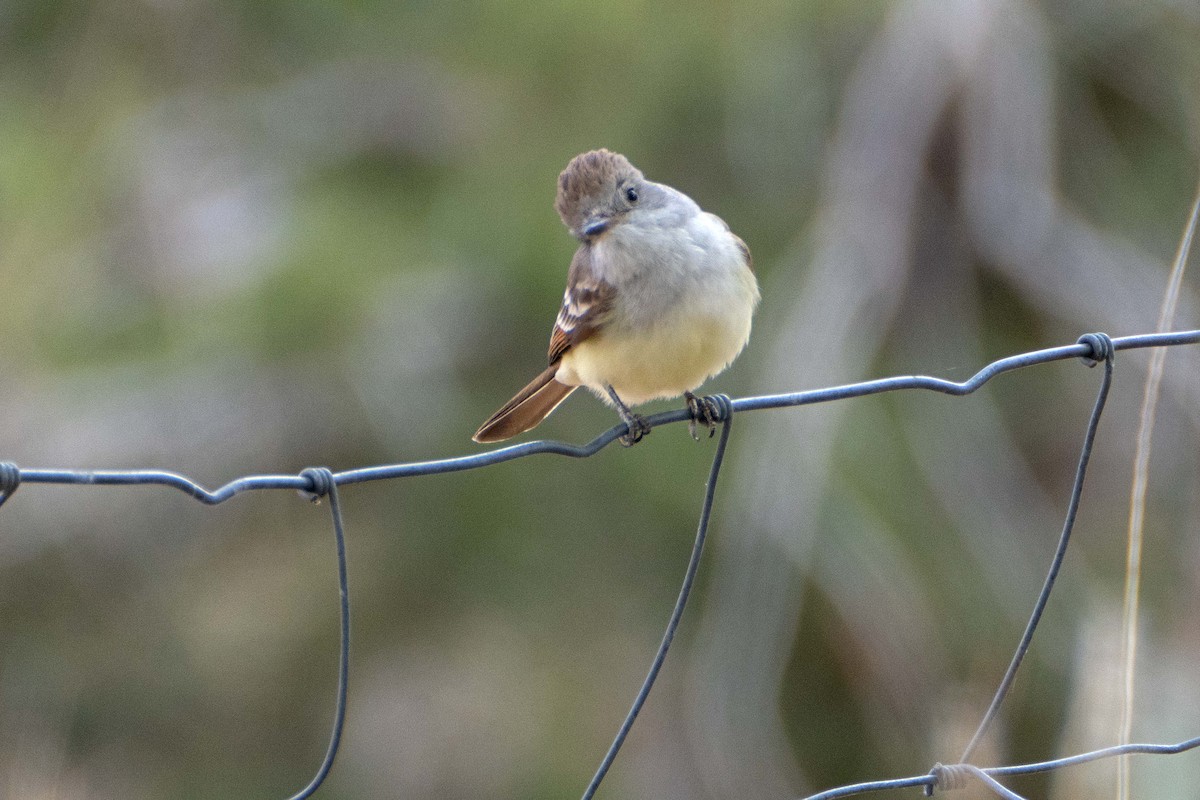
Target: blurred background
(240,236)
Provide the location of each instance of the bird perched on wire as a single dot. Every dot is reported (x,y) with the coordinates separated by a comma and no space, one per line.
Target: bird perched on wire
(660,296)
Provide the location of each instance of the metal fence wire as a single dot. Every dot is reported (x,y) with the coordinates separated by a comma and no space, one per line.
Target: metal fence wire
(318,483)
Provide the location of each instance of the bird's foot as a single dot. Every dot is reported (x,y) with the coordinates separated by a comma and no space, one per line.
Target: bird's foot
(705,411)
(638,428)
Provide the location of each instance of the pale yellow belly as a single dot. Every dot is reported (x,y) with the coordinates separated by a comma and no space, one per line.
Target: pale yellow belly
(659,363)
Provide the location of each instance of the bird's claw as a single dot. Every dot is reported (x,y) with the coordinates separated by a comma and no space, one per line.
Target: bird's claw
(638,428)
(704,410)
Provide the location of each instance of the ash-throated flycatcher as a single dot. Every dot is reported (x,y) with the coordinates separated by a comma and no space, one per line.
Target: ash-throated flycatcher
(659,299)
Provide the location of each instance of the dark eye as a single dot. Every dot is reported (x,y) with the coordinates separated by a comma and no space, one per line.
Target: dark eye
(631,194)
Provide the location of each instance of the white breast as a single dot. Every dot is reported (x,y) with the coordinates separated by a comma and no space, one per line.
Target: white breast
(685,299)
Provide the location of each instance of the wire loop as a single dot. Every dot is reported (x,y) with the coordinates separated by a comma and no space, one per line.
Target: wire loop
(10,479)
(1102,348)
(722,405)
(321,482)
(947,777)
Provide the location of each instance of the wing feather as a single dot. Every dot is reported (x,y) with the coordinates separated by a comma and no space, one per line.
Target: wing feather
(586,305)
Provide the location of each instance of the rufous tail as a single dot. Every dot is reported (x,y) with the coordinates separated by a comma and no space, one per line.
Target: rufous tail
(531,405)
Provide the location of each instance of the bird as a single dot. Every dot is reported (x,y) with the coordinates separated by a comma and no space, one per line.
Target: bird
(660,297)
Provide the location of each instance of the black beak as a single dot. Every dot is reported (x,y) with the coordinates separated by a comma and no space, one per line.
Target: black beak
(596,226)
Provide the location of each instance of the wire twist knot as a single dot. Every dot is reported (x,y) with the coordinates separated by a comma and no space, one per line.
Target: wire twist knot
(321,481)
(1102,348)
(10,479)
(722,406)
(948,777)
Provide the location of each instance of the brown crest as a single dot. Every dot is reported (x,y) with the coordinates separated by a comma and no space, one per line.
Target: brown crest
(589,181)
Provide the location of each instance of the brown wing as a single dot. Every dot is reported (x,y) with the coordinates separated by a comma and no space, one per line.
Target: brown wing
(586,305)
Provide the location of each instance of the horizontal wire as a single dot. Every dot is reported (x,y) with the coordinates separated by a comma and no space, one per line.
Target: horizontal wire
(930,779)
(441,466)
(1096,755)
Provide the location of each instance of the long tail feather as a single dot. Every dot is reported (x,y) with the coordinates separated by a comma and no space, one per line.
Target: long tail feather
(530,406)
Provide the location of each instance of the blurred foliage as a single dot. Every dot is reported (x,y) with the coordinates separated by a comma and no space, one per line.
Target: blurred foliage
(241,237)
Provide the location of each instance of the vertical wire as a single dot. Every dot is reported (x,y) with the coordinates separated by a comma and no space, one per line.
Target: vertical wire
(1059,554)
(339,716)
(688,579)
